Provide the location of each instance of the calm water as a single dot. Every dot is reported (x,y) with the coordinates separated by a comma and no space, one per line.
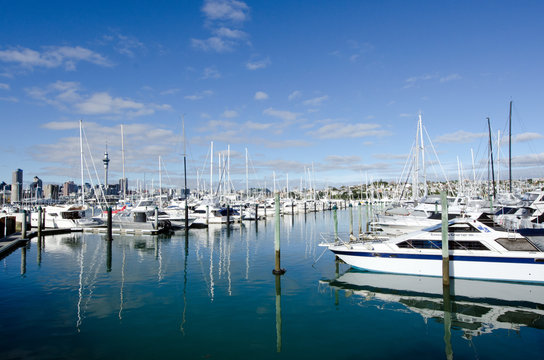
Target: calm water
(213,296)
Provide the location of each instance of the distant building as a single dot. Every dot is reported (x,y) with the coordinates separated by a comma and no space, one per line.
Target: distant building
(68,188)
(51,191)
(36,188)
(17,186)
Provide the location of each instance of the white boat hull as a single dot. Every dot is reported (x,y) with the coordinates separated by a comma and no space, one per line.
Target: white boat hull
(427,264)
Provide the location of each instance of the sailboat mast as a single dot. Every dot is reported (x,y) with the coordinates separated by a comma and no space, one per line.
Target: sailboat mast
(160,183)
(510,146)
(81,152)
(491,155)
(423,157)
(247,179)
(124,182)
(185,174)
(211,169)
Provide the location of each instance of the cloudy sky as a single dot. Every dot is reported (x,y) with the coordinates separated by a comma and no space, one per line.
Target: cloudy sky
(333,86)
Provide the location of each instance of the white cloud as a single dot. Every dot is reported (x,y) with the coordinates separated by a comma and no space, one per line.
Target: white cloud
(217,13)
(460,136)
(169,92)
(528,136)
(258,64)
(294,95)
(259,95)
(211,73)
(9,99)
(230,114)
(340,130)
(4,86)
(450,77)
(53,57)
(282,114)
(127,45)
(67,97)
(104,103)
(200,95)
(61,125)
(343,160)
(257,126)
(224,32)
(226,10)
(316,101)
(213,43)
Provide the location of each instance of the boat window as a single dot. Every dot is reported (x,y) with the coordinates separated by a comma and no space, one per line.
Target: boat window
(458,228)
(420,244)
(466,245)
(437,244)
(516,244)
(70,215)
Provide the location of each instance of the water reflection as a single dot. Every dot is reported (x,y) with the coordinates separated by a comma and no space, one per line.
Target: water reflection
(475,307)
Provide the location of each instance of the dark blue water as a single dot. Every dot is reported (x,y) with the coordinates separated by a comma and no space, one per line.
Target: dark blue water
(212,295)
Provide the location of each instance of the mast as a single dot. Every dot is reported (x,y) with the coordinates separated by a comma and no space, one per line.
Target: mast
(228,168)
(211,169)
(510,147)
(247,178)
(185,174)
(160,183)
(123,160)
(491,155)
(423,157)
(81,152)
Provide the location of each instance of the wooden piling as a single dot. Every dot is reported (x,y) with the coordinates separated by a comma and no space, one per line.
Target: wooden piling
(23,225)
(445,245)
(108,256)
(39,221)
(228,215)
(277,269)
(351,219)
(256,212)
(109,224)
(360,219)
(334,208)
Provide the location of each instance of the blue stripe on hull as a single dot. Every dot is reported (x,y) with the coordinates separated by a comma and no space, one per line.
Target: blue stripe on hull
(492,259)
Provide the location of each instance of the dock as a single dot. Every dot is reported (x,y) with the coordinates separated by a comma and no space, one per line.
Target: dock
(14,241)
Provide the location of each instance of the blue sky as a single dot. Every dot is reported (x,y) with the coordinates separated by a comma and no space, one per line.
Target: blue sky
(336,86)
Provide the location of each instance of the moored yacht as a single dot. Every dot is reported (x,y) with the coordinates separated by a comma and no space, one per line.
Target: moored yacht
(476,251)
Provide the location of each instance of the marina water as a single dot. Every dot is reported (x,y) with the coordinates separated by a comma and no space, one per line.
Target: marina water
(212,295)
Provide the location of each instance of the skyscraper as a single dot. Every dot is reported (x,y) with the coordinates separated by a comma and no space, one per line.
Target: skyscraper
(17,186)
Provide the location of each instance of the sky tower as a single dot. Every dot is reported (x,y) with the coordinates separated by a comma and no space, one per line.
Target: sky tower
(106,162)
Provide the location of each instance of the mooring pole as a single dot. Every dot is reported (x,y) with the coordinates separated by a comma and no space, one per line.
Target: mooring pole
(108,256)
(277,269)
(278,313)
(23,225)
(156,218)
(109,236)
(360,219)
(350,219)
(228,215)
(256,212)
(39,221)
(445,245)
(366,217)
(334,208)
